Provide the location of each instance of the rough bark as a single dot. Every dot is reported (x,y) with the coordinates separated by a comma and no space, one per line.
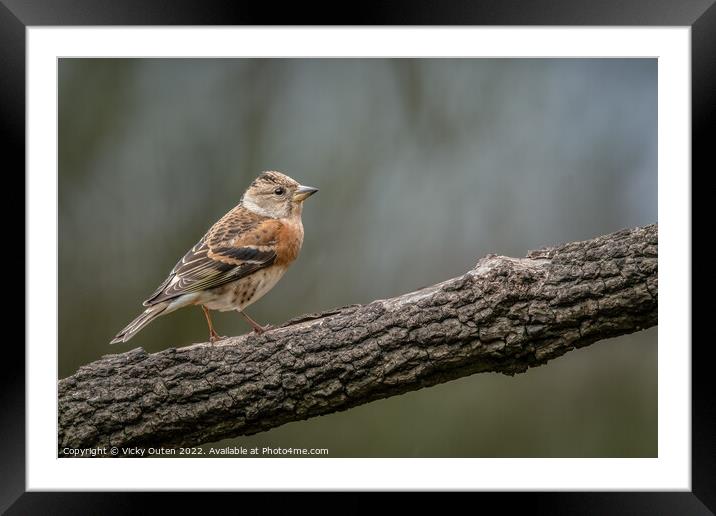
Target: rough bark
(505,315)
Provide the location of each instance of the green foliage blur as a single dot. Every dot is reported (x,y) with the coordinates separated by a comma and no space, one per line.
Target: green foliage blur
(423,167)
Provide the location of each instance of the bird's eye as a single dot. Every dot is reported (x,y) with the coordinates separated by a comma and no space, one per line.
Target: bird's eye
(279,191)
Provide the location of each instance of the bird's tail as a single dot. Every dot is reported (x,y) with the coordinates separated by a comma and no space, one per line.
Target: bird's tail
(140,322)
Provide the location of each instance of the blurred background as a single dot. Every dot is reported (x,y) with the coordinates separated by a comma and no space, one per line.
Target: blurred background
(423,165)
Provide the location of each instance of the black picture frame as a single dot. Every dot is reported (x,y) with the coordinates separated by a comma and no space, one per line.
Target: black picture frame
(700,15)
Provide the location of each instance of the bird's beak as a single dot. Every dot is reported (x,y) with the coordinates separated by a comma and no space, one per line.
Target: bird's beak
(303,192)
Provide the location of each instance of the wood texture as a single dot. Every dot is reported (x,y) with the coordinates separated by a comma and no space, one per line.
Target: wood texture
(505,315)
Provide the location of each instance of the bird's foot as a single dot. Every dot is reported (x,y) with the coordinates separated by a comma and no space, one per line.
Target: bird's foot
(258,329)
(213,337)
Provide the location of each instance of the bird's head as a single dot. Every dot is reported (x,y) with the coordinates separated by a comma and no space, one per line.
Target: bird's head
(276,195)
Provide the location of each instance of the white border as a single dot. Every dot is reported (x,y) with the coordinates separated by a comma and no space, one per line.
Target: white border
(670,471)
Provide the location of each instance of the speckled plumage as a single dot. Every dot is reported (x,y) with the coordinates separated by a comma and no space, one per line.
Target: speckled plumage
(239,259)
(237,295)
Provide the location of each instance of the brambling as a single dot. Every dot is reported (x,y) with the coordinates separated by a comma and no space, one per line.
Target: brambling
(238,260)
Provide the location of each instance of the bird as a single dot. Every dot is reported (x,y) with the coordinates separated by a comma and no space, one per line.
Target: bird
(238,260)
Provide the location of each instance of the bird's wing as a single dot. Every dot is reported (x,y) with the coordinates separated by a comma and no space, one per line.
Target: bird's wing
(239,244)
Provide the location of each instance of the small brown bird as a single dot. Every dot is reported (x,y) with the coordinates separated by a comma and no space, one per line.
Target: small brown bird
(239,259)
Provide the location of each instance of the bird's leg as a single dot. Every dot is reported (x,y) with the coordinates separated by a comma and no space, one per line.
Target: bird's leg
(213,336)
(256,326)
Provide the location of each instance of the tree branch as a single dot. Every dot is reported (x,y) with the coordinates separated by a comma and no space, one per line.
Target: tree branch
(505,315)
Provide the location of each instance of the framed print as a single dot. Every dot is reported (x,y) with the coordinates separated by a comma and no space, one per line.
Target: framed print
(398,210)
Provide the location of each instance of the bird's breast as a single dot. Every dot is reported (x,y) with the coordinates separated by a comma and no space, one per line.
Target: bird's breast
(288,241)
